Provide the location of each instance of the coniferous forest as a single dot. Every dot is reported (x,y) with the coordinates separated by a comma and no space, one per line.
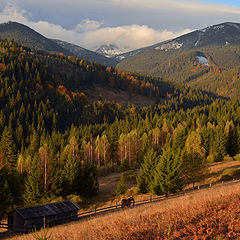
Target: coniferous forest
(54,141)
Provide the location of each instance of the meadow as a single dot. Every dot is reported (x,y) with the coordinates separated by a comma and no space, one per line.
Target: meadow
(204,214)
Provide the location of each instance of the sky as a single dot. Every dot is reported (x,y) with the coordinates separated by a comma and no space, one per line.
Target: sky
(129,24)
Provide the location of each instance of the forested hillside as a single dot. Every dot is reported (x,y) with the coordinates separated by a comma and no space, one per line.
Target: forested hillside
(219,74)
(28,37)
(53,141)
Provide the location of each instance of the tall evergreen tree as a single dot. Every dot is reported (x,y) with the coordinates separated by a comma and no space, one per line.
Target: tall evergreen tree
(6,198)
(220,143)
(145,177)
(193,158)
(167,174)
(8,150)
(34,189)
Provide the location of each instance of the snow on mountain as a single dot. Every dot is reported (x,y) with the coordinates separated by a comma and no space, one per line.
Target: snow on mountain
(169,46)
(109,50)
(202,60)
(86,54)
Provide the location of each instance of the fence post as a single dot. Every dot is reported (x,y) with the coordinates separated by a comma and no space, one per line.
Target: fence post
(95,209)
(116,204)
(198,187)
(210,185)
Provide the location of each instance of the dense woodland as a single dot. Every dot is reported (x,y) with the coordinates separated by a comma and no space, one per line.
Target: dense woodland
(53,142)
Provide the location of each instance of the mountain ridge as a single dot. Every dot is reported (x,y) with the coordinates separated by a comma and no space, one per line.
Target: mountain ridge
(178,42)
(30,38)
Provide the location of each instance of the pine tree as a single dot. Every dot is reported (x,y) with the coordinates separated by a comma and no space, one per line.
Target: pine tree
(233,141)
(33,193)
(167,174)
(86,182)
(145,177)
(193,158)
(8,150)
(6,198)
(34,144)
(220,143)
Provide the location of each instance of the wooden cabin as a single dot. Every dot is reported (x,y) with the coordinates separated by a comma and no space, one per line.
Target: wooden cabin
(26,219)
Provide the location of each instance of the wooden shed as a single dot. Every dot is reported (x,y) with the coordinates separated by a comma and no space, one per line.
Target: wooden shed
(26,219)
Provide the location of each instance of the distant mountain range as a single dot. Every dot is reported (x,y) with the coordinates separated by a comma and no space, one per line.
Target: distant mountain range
(214,45)
(35,41)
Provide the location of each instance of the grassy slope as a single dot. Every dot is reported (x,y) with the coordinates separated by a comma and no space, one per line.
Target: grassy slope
(184,216)
(204,214)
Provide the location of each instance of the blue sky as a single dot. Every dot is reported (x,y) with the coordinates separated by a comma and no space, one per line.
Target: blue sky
(225,2)
(129,24)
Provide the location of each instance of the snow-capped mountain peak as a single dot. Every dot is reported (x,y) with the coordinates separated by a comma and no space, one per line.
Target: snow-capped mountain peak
(109,50)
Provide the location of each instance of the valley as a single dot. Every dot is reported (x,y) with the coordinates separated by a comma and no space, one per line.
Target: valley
(96,127)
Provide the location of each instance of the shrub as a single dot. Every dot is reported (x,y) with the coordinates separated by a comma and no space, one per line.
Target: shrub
(76,199)
(230,174)
(124,165)
(121,187)
(226,178)
(210,158)
(237,157)
(106,170)
(129,176)
(227,158)
(135,165)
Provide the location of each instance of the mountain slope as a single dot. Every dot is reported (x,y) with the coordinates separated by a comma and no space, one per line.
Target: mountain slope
(217,35)
(35,41)
(29,38)
(86,54)
(199,59)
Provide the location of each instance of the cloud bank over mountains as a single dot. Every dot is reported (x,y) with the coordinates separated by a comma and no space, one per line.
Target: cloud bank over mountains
(90,33)
(127,24)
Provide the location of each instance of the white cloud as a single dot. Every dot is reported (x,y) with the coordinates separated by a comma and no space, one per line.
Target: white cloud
(129,37)
(87,25)
(89,33)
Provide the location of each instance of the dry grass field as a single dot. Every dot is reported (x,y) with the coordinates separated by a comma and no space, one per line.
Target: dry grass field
(108,184)
(163,215)
(212,213)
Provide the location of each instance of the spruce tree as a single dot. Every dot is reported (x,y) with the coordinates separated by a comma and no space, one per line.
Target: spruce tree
(167,174)
(145,177)
(220,143)
(6,198)
(233,141)
(8,150)
(33,193)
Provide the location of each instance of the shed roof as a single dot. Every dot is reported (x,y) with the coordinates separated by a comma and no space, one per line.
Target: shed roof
(47,210)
